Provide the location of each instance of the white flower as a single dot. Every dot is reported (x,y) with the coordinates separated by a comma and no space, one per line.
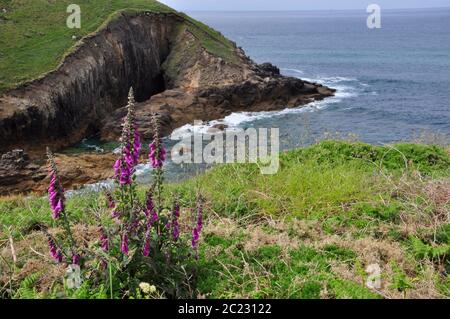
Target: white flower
(147,288)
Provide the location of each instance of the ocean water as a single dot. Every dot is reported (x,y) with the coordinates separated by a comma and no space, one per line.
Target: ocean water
(392,83)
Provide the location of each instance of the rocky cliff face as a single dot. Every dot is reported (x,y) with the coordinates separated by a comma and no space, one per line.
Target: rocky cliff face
(171,71)
(93,81)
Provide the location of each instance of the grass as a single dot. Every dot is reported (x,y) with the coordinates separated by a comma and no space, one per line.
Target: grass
(34,37)
(309,231)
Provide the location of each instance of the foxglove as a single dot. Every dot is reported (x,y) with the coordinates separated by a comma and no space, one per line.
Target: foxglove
(75,259)
(174,224)
(131,146)
(54,251)
(55,189)
(124,244)
(146,251)
(104,241)
(157,153)
(198,227)
(150,211)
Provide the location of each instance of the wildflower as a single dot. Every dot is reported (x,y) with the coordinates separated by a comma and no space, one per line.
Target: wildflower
(111,205)
(195,238)
(104,241)
(124,244)
(198,227)
(75,259)
(115,214)
(146,251)
(131,146)
(122,171)
(54,251)
(150,212)
(147,288)
(110,200)
(175,225)
(157,154)
(55,189)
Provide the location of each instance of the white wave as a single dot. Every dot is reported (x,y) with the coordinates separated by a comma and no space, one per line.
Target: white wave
(293,70)
(142,169)
(330,80)
(92,188)
(96,148)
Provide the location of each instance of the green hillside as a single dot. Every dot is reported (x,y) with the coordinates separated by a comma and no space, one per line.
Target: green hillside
(34,36)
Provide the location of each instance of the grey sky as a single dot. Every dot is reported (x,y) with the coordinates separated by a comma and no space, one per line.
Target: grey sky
(236,5)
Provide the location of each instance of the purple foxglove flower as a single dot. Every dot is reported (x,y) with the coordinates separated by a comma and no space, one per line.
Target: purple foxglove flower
(104,239)
(175,230)
(129,157)
(56,196)
(131,145)
(112,205)
(110,199)
(198,228)
(150,211)
(195,238)
(175,225)
(124,167)
(134,226)
(54,251)
(55,189)
(124,244)
(200,218)
(115,214)
(157,154)
(75,259)
(146,251)
(117,167)
(122,172)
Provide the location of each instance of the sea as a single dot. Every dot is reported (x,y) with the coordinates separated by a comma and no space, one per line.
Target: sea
(393,83)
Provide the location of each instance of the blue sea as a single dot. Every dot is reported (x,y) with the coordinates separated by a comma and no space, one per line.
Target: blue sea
(392,83)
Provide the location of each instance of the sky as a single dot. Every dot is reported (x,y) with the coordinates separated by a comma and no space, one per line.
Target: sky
(256,5)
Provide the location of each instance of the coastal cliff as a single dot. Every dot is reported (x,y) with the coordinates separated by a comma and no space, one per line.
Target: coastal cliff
(178,68)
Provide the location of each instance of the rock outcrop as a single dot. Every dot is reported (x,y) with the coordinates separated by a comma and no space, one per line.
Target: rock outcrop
(172,72)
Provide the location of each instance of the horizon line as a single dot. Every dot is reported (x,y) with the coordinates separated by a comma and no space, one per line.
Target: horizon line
(310,10)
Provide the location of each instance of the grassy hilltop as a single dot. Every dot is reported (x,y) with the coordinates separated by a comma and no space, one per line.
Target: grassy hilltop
(308,231)
(34,37)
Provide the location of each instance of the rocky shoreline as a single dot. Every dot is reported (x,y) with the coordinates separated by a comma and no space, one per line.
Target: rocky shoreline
(173,75)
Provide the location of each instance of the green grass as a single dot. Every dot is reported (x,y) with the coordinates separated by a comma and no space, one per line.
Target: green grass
(303,273)
(34,37)
(310,230)
(319,180)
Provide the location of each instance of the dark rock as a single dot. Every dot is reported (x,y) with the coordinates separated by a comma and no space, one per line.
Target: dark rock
(221,127)
(15,159)
(268,69)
